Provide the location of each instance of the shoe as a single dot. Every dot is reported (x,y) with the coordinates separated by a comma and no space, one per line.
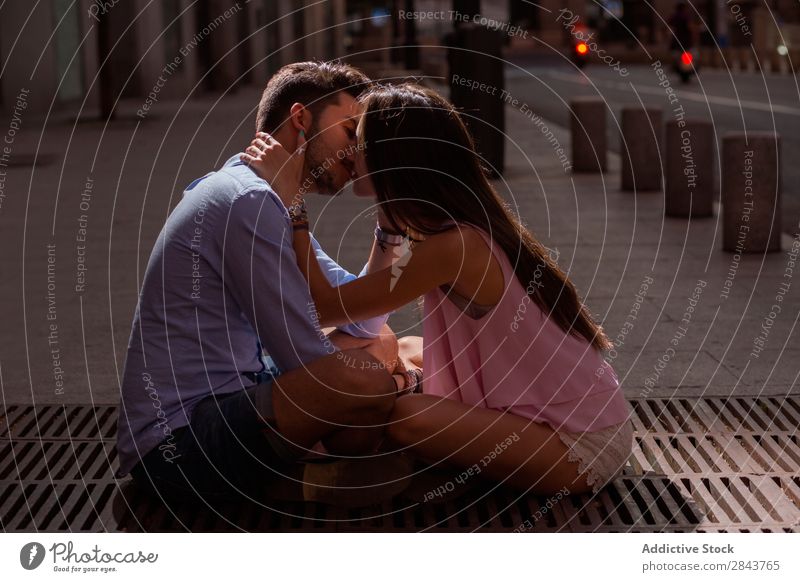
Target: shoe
(357,482)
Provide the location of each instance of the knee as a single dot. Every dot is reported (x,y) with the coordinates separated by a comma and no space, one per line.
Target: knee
(410,345)
(390,347)
(385,349)
(409,423)
(410,350)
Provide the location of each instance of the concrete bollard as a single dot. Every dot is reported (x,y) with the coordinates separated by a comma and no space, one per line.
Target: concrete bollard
(689,171)
(764,63)
(588,134)
(751,197)
(779,63)
(746,55)
(794,60)
(640,151)
(706,55)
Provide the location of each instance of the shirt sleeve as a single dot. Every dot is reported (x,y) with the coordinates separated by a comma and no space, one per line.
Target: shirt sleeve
(260,269)
(338,275)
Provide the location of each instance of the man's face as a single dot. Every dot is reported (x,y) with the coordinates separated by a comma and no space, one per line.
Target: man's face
(331,147)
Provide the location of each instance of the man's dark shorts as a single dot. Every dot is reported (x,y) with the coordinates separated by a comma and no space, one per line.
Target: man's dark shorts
(227,449)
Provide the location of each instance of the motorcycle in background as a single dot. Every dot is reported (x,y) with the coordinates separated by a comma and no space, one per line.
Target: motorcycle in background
(580,53)
(685,64)
(580,44)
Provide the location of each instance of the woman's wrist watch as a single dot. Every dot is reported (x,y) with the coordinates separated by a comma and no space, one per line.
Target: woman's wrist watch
(388,238)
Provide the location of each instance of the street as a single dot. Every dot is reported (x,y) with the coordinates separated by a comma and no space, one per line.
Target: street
(733,101)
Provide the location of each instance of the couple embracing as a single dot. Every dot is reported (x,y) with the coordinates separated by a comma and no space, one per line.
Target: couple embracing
(230,377)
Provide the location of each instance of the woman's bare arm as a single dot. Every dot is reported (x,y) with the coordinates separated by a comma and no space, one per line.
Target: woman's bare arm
(437,260)
(381,255)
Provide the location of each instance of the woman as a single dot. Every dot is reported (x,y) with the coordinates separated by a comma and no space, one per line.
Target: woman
(515,384)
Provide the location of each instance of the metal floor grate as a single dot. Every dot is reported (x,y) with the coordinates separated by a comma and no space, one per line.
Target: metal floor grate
(709,464)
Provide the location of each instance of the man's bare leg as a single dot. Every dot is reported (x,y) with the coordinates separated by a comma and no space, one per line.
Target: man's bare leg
(359,441)
(346,392)
(383,348)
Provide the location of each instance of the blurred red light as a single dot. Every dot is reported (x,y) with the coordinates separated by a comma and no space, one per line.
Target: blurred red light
(687,58)
(582,48)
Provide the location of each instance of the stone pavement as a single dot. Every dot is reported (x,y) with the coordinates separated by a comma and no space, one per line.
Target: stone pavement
(683,313)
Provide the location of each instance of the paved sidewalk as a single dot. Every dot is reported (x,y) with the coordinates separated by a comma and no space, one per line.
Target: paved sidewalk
(684,315)
(637,270)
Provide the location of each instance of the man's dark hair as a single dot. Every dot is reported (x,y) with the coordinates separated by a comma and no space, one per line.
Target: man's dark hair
(312,83)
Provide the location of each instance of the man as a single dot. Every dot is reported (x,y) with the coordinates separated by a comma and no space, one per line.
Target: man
(202,410)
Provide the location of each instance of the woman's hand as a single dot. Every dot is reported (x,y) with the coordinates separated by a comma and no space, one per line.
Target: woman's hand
(283,170)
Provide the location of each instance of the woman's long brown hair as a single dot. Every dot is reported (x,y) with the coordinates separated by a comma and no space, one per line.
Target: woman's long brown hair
(423,163)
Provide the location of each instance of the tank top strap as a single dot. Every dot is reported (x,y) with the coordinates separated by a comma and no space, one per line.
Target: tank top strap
(497,251)
(499,254)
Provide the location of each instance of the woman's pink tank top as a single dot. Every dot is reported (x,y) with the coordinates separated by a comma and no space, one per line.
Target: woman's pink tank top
(517,359)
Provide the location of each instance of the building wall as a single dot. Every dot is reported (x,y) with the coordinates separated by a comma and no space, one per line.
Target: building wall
(22,46)
(551,31)
(246,47)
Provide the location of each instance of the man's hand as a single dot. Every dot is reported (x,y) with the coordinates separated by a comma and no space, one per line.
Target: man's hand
(283,170)
(384,348)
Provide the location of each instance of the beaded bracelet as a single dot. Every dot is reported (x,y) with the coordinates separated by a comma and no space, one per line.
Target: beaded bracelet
(413,382)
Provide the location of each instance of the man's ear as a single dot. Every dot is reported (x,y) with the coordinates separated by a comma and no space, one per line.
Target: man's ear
(300,117)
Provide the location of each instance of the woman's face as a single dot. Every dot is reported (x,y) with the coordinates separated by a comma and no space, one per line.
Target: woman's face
(362,183)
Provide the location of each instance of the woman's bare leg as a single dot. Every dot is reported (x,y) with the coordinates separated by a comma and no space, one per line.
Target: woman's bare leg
(502,446)
(410,351)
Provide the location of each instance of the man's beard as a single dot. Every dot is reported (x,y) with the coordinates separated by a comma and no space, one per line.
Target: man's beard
(319,166)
